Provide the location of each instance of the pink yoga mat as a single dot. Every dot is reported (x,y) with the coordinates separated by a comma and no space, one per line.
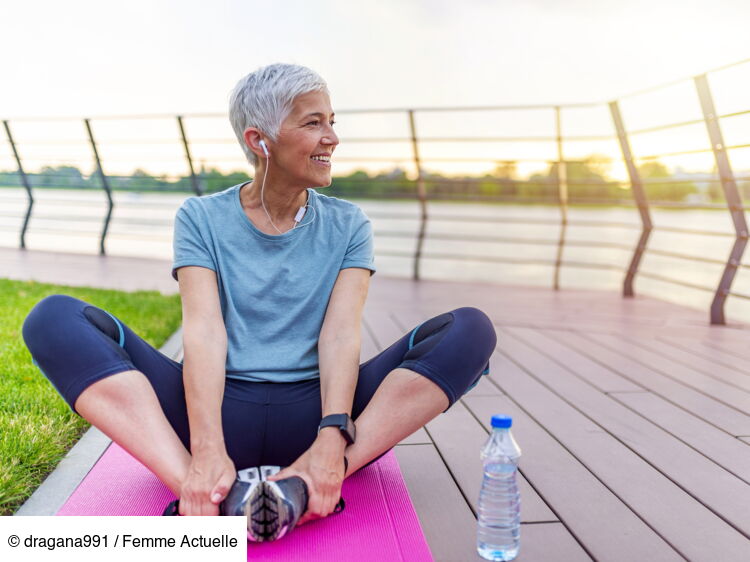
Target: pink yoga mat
(378,524)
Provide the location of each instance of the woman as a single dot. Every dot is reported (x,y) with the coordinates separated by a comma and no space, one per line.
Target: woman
(273,278)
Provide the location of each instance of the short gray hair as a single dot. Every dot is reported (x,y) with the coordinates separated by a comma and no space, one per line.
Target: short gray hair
(264,98)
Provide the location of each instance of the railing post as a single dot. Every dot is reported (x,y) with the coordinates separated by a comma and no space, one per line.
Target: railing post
(421,196)
(24,180)
(562,193)
(639,193)
(105,185)
(734,203)
(193,177)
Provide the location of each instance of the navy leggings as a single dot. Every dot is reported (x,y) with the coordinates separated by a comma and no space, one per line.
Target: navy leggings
(76,344)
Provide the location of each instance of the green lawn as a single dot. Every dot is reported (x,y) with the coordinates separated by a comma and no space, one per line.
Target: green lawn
(36,426)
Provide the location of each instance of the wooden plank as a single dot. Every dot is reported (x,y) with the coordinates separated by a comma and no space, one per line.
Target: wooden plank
(419,437)
(634,477)
(716,445)
(709,368)
(709,409)
(738,348)
(89,270)
(485,388)
(447,521)
(459,438)
(549,541)
(728,394)
(384,328)
(369,347)
(606,527)
(595,373)
(712,354)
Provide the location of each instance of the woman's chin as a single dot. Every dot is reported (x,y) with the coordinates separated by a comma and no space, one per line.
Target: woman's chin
(321,181)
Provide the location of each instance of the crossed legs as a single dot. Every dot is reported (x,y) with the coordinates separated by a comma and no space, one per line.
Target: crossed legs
(126,409)
(75,343)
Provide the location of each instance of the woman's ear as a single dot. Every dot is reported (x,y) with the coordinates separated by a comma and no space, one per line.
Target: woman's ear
(252,138)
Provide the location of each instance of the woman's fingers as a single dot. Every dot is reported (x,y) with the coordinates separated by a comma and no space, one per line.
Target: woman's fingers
(221,490)
(319,506)
(210,508)
(286,473)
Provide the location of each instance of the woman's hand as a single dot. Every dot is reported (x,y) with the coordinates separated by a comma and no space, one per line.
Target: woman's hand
(322,469)
(209,479)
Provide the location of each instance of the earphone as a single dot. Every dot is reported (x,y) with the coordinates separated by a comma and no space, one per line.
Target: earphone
(300,213)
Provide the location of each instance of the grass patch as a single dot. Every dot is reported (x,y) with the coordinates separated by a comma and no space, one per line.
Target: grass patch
(36,426)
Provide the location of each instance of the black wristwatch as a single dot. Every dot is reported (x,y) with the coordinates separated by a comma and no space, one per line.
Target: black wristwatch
(343,422)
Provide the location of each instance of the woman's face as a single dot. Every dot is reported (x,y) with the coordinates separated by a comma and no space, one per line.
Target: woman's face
(306,142)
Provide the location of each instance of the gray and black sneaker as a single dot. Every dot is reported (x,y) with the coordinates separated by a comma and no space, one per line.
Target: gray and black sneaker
(246,498)
(285,502)
(272,508)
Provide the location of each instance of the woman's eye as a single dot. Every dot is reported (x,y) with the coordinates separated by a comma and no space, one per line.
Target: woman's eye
(313,122)
(333,123)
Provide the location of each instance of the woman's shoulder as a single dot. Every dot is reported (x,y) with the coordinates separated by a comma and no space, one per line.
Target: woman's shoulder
(338,205)
(202,205)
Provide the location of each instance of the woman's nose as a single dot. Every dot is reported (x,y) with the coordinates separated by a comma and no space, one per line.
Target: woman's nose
(330,138)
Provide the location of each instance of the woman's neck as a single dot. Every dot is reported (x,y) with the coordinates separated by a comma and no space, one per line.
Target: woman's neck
(281,204)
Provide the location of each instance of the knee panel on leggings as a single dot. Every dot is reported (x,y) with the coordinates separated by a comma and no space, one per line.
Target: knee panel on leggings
(452,350)
(109,327)
(74,344)
(427,335)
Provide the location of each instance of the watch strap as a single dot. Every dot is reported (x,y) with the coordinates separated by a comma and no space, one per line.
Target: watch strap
(343,422)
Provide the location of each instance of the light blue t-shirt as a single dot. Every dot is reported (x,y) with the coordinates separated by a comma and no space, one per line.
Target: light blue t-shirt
(274,290)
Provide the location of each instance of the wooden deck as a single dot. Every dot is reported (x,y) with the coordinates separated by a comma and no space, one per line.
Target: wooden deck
(633,417)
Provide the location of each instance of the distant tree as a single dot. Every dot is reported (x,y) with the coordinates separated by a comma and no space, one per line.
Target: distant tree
(506,169)
(660,190)
(143,180)
(214,180)
(356,183)
(505,176)
(586,179)
(59,176)
(10,179)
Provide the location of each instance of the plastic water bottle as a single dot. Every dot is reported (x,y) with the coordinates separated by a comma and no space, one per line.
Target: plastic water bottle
(499,525)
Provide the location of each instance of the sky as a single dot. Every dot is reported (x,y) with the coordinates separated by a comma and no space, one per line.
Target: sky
(83,58)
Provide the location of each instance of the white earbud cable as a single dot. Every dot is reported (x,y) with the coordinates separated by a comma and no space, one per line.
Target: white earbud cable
(262,202)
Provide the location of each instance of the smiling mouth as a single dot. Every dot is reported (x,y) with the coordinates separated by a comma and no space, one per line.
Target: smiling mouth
(322,161)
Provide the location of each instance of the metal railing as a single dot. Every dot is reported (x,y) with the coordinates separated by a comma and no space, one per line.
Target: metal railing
(559,187)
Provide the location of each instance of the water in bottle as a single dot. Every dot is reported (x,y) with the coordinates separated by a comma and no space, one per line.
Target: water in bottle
(499,508)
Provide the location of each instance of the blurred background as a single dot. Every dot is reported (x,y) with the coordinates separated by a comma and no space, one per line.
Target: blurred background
(577,144)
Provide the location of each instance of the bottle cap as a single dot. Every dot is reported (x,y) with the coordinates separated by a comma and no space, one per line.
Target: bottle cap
(502,421)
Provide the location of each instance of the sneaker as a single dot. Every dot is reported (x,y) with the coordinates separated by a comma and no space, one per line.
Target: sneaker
(285,502)
(272,508)
(246,498)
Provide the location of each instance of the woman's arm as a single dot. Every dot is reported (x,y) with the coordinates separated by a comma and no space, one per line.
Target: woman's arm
(205,348)
(211,472)
(340,341)
(322,465)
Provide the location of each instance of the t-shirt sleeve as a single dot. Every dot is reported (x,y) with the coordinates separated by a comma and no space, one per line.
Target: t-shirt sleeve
(360,252)
(188,243)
